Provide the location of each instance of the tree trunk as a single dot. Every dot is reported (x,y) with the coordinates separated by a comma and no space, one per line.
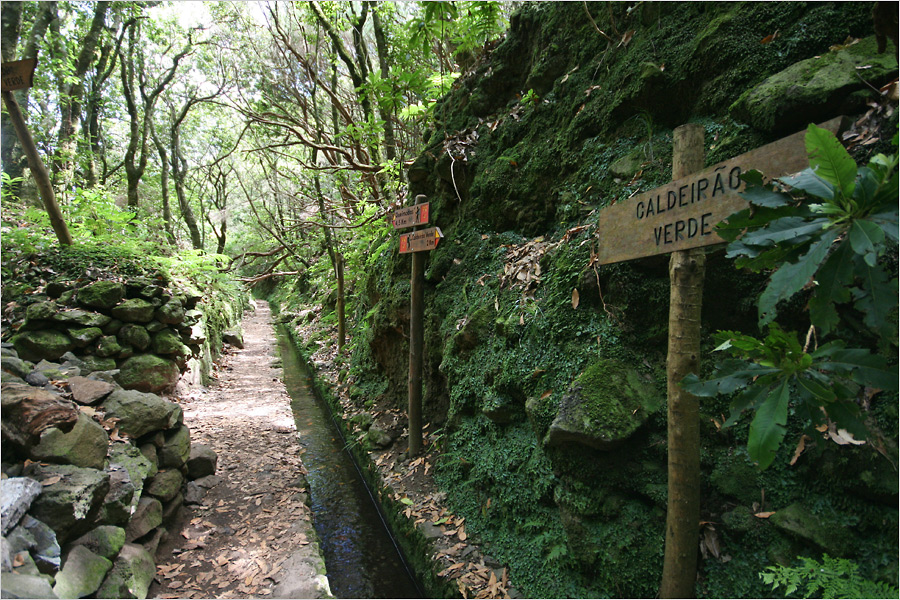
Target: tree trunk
(390,142)
(71,94)
(687,270)
(179,172)
(38,171)
(11,153)
(164,185)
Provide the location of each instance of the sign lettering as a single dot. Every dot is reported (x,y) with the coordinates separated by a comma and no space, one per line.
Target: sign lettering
(683,214)
(411,216)
(18,74)
(419,241)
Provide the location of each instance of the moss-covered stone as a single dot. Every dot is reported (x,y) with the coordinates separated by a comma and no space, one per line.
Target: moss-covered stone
(101,294)
(84,446)
(604,406)
(81,318)
(167,341)
(815,89)
(83,336)
(108,346)
(45,344)
(41,311)
(134,335)
(825,534)
(148,373)
(134,310)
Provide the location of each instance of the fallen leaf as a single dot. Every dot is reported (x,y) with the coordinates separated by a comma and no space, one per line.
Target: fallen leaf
(764,515)
(51,480)
(801,446)
(175,584)
(769,38)
(575,298)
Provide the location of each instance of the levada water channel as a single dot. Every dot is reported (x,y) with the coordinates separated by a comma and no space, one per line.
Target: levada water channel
(360,555)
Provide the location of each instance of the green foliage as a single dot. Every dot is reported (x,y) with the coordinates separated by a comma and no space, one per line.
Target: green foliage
(830,578)
(834,227)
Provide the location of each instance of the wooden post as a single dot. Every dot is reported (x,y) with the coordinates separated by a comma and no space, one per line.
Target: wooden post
(342,325)
(416,349)
(41,177)
(687,270)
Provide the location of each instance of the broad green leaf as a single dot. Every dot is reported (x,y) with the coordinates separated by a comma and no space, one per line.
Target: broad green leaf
(888,221)
(761,196)
(815,389)
(877,297)
(768,427)
(865,239)
(807,181)
(731,375)
(749,399)
(862,367)
(792,230)
(829,159)
(790,279)
(846,416)
(833,281)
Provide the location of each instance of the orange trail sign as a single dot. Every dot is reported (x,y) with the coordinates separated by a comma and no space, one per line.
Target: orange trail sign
(683,214)
(411,216)
(420,241)
(18,74)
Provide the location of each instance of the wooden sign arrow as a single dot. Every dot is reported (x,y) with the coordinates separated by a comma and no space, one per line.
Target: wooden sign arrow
(420,241)
(684,213)
(18,74)
(411,216)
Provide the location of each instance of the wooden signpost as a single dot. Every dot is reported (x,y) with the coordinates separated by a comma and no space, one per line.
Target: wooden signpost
(683,214)
(17,75)
(679,218)
(416,243)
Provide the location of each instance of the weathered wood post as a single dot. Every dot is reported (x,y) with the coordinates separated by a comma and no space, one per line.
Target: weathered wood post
(418,242)
(416,350)
(342,324)
(687,269)
(18,75)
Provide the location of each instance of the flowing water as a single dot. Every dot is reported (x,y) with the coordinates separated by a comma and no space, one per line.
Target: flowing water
(360,555)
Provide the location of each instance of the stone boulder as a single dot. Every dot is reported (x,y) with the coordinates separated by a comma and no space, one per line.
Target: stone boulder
(16,494)
(815,89)
(197,489)
(134,335)
(17,585)
(84,336)
(148,373)
(233,338)
(135,310)
(176,450)
(128,457)
(167,341)
(170,313)
(44,344)
(108,346)
(140,413)
(82,573)
(165,485)
(40,541)
(89,391)
(822,533)
(15,365)
(105,540)
(74,317)
(121,499)
(201,462)
(605,405)
(145,519)
(101,294)
(131,574)
(84,446)
(71,498)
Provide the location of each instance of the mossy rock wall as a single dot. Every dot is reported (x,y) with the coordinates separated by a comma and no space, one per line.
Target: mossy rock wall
(552,126)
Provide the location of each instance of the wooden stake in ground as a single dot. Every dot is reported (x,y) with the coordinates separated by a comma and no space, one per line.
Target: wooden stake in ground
(416,348)
(41,177)
(687,270)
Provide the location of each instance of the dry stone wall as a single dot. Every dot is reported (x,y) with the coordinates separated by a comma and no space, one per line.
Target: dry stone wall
(96,459)
(89,489)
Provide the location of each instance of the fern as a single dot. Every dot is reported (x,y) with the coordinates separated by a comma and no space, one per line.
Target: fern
(832,578)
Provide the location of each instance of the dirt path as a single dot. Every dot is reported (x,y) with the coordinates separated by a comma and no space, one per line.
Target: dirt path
(237,542)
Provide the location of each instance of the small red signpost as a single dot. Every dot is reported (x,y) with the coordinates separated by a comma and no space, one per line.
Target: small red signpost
(416,243)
